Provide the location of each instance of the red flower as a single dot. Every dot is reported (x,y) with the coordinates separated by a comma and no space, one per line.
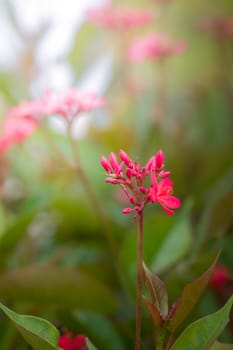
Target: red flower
(132,179)
(67,343)
(220,277)
(162,193)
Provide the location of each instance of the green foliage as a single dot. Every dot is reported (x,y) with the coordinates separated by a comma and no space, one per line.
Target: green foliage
(40,334)
(201,333)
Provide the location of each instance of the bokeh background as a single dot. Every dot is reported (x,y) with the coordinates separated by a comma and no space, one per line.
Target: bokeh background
(55,259)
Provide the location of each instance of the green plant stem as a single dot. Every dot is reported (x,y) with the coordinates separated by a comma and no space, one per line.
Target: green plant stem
(170,341)
(139,283)
(159,340)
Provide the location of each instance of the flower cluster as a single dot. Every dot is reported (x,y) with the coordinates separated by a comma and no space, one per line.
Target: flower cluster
(156,46)
(133,179)
(67,105)
(119,18)
(66,342)
(23,119)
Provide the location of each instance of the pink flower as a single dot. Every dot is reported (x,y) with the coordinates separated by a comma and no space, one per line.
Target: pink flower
(154,46)
(67,343)
(16,130)
(119,18)
(71,103)
(133,180)
(32,109)
(220,277)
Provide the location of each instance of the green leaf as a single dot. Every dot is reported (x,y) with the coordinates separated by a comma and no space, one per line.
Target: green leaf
(158,291)
(39,333)
(175,245)
(90,346)
(190,296)
(221,346)
(201,333)
(55,285)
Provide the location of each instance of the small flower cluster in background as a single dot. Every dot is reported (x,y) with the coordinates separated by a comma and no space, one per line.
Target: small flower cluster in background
(119,18)
(23,120)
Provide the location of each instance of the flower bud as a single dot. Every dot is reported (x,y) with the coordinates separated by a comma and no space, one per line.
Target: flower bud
(110,180)
(125,158)
(127,210)
(105,164)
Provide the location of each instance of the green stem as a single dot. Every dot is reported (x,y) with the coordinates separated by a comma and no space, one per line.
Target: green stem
(159,340)
(170,341)
(139,283)
(88,188)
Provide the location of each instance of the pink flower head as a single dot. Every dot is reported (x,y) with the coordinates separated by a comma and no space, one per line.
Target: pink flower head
(220,277)
(16,130)
(66,342)
(71,103)
(156,46)
(119,18)
(221,27)
(133,180)
(32,109)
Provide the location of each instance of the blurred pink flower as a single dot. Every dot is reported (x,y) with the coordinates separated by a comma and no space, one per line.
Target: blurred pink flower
(33,109)
(154,46)
(71,103)
(221,27)
(16,130)
(77,343)
(119,18)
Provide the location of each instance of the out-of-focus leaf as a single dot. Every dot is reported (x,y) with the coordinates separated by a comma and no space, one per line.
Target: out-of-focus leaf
(100,330)
(156,228)
(67,287)
(190,296)
(90,346)
(39,333)
(157,289)
(176,244)
(201,333)
(221,346)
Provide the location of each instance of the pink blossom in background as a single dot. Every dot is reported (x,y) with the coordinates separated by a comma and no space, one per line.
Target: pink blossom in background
(66,342)
(69,104)
(32,109)
(134,180)
(221,27)
(15,130)
(154,46)
(119,18)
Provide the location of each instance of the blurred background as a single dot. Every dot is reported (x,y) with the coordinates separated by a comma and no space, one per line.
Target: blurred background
(56,259)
